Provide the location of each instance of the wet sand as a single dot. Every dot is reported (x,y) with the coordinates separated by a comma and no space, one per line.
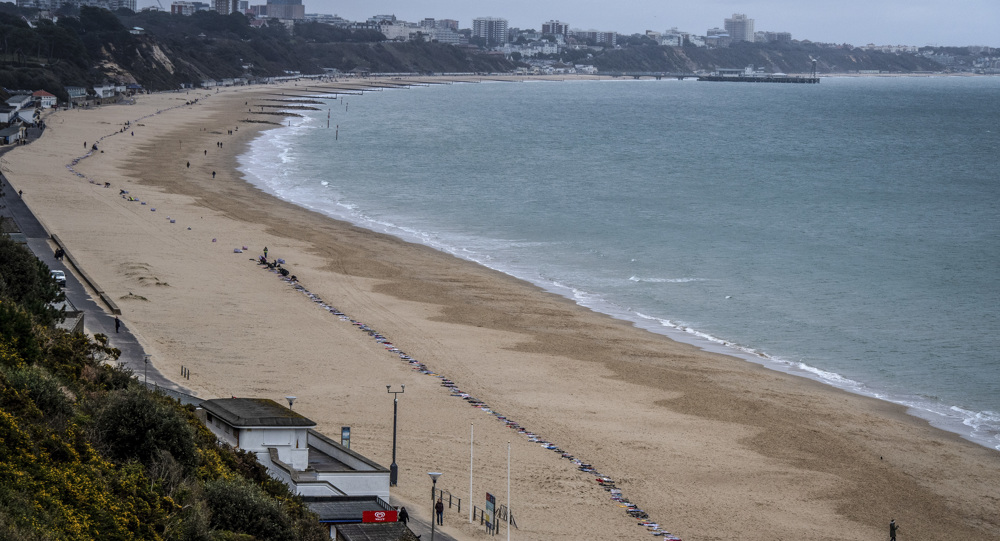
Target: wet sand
(712,447)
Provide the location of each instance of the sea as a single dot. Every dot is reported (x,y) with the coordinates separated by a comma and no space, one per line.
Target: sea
(847,232)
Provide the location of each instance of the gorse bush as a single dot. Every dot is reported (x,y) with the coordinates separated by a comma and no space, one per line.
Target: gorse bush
(87,453)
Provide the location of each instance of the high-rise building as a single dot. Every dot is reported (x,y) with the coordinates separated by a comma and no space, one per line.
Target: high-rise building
(555,28)
(493,29)
(740,28)
(225,7)
(286,9)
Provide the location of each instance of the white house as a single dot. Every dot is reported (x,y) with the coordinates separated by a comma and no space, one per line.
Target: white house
(44,99)
(7,113)
(284,441)
(20,101)
(104,91)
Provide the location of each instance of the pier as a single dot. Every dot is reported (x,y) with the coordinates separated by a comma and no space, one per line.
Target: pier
(759,79)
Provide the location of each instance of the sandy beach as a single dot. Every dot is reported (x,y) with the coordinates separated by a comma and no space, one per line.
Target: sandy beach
(710,446)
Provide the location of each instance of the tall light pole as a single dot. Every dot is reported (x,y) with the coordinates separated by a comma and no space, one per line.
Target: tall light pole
(434,477)
(393,469)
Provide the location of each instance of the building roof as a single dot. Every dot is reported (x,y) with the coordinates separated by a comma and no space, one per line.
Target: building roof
(7,132)
(42,94)
(392,531)
(243,412)
(343,509)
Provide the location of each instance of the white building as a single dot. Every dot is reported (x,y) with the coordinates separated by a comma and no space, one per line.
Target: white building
(284,441)
(740,28)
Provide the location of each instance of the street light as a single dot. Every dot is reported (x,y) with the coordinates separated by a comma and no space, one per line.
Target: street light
(145,367)
(393,469)
(434,477)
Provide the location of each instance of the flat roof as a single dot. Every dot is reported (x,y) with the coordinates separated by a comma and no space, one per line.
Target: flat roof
(248,412)
(343,509)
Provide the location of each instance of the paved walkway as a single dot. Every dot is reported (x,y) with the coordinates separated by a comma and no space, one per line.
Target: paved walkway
(96,318)
(423,528)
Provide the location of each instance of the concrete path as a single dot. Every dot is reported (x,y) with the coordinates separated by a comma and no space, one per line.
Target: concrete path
(97,319)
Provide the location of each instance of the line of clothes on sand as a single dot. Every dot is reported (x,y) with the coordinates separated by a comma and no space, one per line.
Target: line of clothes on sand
(604,481)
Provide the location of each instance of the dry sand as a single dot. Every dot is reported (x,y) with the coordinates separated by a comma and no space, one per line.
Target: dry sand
(712,447)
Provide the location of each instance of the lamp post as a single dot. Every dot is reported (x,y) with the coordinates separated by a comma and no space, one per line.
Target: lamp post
(393,469)
(434,477)
(145,367)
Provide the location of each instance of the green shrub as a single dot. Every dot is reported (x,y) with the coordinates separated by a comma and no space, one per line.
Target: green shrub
(44,390)
(241,507)
(136,424)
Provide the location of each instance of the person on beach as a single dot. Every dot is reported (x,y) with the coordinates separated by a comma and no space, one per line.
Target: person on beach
(265,252)
(439,509)
(893,528)
(118,324)
(213,174)
(403,515)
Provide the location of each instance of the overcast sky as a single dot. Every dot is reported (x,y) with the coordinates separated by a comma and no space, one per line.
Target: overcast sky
(858,22)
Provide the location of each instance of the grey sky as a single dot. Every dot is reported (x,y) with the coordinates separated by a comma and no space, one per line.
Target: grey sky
(858,22)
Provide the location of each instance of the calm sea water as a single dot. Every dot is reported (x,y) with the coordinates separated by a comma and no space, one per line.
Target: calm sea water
(847,232)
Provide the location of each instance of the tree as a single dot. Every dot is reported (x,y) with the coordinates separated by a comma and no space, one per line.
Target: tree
(25,280)
(137,424)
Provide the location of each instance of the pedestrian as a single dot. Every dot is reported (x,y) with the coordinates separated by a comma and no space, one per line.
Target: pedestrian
(265,252)
(439,509)
(213,174)
(403,515)
(118,324)
(206,153)
(189,165)
(893,528)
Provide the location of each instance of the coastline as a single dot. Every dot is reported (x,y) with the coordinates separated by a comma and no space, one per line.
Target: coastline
(755,453)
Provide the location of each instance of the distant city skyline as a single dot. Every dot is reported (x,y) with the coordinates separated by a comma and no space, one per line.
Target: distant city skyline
(858,22)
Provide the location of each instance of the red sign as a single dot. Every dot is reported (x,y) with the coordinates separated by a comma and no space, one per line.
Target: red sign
(379,516)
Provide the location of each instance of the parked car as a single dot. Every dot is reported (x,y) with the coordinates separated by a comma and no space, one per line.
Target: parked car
(59,276)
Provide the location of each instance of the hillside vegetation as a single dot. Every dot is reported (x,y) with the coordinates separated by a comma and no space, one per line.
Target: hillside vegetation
(86,452)
(88,46)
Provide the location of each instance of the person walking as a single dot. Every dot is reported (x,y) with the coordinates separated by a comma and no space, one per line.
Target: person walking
(118,324)
(439,509)
(893,528)
(403,515)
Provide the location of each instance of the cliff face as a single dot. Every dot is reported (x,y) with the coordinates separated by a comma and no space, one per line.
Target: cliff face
(161,51)
(785,58)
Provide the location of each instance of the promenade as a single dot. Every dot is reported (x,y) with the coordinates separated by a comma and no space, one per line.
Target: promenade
(97,320)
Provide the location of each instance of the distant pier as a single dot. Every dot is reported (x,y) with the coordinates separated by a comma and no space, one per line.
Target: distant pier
(759,79)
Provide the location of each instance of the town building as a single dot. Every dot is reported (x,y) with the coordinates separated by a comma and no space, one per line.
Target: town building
(773,37)
(44,99)
(739,27)
(492,29)
(287,444)
(555,28)
(286,9)
(53,5)
(608,39)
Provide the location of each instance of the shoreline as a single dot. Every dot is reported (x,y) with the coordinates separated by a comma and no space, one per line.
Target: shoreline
(939,414)
(755,453)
